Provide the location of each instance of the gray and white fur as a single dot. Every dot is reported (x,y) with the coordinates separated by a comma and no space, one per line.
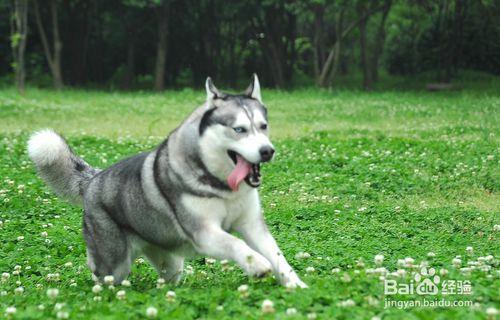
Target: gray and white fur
(175,201)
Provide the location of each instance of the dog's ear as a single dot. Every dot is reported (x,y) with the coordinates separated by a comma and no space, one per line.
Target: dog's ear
(253,90)
(212,92)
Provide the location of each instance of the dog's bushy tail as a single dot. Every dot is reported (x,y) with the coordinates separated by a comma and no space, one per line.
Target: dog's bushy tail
(56,163)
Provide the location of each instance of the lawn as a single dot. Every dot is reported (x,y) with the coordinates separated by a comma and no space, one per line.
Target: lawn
(402,174)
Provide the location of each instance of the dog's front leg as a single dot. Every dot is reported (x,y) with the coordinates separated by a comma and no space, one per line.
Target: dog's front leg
(203,219)
(213,241)
(257,235)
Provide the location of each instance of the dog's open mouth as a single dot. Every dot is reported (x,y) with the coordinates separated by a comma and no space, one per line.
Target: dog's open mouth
(243,170)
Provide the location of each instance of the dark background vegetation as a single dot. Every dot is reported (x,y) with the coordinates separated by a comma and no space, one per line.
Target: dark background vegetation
(159,44)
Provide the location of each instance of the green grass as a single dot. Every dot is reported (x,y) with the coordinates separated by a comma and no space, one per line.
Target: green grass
(398,173)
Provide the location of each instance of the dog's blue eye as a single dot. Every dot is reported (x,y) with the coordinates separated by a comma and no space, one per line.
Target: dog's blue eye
(239,129)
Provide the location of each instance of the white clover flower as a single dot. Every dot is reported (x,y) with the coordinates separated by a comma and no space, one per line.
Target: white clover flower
(347,303)
(409,262)
(456,262)
(346,278)
(97,298)
(243,290)
(44,234)
(302,255)
(431,255)
(120,295)
(160,283)
(310,270)
(219,308)
(170,296)
(53,277)
(17,267)
(20,238)
(41,307)
(290,287)
(267,306)
(19,290)
(5,276)
(381,270)
(335,270)
(189,270)
(291,311)
(401,263)
(10,310)
(495,227)
(151,312)
(224,264)
(109,280)
(62,315)
(58,306)
(379,259)
(491,312)
(139,260)
(401,272)
(126,283)
(210,260)
(312,316)
(52,293)
(469,250)
(3,293)
(96,289)
(465,271)
(68,264)
(443,272)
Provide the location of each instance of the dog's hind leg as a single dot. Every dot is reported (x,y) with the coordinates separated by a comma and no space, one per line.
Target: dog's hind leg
(108,249)
(168,265)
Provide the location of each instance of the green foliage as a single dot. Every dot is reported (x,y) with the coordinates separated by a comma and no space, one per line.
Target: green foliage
(424,38)
(357,174)
(286,42)
(14,39)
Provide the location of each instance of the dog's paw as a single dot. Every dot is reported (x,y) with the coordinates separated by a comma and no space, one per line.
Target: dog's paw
(257,266)
(293,282)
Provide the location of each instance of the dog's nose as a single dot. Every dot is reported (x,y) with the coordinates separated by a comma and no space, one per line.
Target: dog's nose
(266,153)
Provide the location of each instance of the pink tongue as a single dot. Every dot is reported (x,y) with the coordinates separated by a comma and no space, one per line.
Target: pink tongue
(239,173)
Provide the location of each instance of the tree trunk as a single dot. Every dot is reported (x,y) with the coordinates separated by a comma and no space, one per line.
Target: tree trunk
(130,66)
(57,72)
(334,53)
(367,81)
(319,41)
(161,51)
(54,60)
(337,50)
(19,30)
(379,42)
(341,34)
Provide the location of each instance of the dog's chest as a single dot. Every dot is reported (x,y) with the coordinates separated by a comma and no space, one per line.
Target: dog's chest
(238,207)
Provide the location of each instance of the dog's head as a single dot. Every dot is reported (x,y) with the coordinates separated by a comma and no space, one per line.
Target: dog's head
(236,128)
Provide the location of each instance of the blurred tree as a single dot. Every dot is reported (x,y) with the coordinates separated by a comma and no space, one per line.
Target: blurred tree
(52,54)
(18,38)
(166,43)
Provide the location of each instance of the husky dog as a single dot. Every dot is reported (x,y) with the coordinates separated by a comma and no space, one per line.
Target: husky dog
(184,197)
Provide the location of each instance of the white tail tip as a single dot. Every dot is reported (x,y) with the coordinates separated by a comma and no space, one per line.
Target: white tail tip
(46,146)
